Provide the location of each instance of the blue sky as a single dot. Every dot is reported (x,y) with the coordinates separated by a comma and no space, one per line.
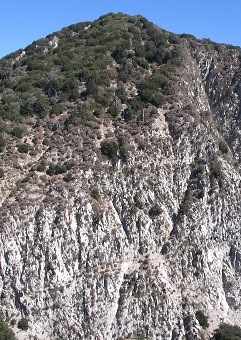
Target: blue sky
(22,22)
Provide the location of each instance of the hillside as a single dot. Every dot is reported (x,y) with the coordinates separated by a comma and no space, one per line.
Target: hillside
(120,183)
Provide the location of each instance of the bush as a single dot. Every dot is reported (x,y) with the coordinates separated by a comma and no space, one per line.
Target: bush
(183,208)
(17,132)
(2,127)
(1,173)
(95,194)
(5,332)
(23,148)
(109,148)
(155,211)
(216,170)
(41,167)
(113,110)
(56,169)
(202,319)
(223,147)
(45,142)
(227,332)
(2,143)
(23,324)
(124,153)
(57,109)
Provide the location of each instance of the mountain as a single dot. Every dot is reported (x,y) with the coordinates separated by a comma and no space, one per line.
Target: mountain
(120,184)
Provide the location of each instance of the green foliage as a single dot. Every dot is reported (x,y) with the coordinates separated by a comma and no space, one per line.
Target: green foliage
(154,89)
(53,86)
(136,104)
(155,211)
(56,169)
(227,332)
(2,143)
(183,208)
(202,319)
(121,94)
(216,170)
(23,148)
(40,107)
(113,110)
(2,127)
(95,194)
(27,108)
(138,202)
(57,109)
(109,148)
(5,332)
(1,173)
(17,131)
(80,116)
(124,152)
(41,167)
(23,324)
(223,147)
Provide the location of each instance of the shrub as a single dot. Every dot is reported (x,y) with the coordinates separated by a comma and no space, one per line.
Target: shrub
(41,167)
(23,148)
(68,177)
(23,324)
(183,208)
(138,202)
(223,147)
(2,143)
(2,127)
(5,332)
(154,211)
(216,170)
(45,142)
(113,110)
(26,108)
(95,194)
(57,109)
(1,173)
(124,152)
(17,132)
(56,169)
(227,332)
(202,319)
(109,148)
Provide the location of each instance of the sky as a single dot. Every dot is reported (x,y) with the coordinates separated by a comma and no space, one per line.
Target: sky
(22,22)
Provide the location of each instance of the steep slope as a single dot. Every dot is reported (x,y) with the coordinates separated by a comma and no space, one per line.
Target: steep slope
(120,188)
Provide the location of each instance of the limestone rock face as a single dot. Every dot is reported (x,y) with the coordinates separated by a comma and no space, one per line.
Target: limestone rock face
(134,248)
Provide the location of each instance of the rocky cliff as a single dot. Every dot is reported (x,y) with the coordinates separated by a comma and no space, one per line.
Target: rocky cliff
(121,217)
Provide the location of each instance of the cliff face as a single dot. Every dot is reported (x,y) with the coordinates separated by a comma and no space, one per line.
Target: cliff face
(132,243)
